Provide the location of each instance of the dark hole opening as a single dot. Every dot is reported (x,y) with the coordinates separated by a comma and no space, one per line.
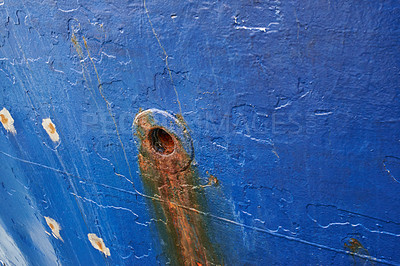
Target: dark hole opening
(161,141)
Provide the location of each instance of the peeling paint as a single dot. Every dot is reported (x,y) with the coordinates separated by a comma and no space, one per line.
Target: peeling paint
(55,228)
(7,121)
(50,128)
(98,244)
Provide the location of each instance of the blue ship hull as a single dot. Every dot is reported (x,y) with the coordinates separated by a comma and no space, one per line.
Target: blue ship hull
(270,137)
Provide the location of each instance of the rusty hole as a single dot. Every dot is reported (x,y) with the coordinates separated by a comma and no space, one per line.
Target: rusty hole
(161,141)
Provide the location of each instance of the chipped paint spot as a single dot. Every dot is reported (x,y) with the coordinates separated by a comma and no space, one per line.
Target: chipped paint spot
(55,227)
(50,128)
(212,180)
(356,247)
(7,121)
(268,29)
(98,244)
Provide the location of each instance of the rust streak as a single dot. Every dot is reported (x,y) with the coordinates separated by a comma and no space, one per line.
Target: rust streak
(167,173)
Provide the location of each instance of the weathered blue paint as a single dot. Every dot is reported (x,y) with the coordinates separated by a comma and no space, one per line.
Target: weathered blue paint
(292,105)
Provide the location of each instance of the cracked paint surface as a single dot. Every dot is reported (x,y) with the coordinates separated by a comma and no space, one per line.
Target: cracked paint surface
(293,113)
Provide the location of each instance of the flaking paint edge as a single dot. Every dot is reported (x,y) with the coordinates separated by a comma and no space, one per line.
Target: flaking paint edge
(98,244)
(7,121)
(50,128)
(55,227)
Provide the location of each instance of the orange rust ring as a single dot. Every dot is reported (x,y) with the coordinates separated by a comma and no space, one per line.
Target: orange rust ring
(165,141)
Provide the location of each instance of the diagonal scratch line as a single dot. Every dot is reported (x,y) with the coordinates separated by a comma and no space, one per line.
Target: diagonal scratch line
(384,162)
(226,220)
(165,54)
(82,62)
(100,87)
(36,164)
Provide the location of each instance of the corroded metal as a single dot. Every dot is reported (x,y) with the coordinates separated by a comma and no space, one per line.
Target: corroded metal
(165,165)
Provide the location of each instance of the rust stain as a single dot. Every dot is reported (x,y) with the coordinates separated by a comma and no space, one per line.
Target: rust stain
(52,129)
(354,245)
(212,180)
(98,244)
(76,45)
(4,120)
(167,173)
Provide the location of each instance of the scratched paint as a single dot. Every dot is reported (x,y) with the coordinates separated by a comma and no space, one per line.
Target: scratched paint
(98,244)
(7,121)
(50,128)
(167,173)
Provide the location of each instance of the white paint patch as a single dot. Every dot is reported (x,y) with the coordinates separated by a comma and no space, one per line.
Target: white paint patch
(98,244)
(267,29)
(272,27)
(251,28)
(7,121)
(324,113)
(50,128)
(55,228)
